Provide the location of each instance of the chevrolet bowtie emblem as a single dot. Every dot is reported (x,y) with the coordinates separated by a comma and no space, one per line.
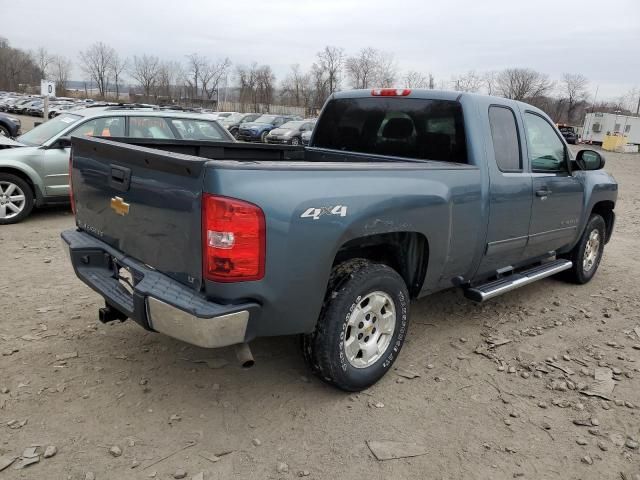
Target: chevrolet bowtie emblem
(119,206)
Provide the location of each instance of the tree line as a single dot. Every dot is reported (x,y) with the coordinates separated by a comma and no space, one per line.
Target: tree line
(201,79)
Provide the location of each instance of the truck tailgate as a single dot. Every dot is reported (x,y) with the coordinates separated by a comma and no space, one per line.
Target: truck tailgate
(142,202)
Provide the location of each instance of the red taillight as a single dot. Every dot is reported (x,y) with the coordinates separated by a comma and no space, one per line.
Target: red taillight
(71,199)
(390,92)
(233,239)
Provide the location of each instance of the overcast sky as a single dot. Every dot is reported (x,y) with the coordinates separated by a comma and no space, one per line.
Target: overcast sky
(597,38)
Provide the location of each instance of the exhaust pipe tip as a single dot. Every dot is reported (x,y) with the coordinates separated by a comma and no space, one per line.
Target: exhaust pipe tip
(245,357)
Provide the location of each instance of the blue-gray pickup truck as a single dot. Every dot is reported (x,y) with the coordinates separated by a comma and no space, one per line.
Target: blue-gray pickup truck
(399,194)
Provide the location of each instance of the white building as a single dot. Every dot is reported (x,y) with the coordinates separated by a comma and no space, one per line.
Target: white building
(597,125)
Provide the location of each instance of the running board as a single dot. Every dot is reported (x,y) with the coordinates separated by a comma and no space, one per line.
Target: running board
(489,290)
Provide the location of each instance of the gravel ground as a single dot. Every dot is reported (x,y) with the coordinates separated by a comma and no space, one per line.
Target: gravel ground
(70,382)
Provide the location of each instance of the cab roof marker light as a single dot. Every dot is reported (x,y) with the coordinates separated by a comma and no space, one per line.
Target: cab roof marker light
(390,92)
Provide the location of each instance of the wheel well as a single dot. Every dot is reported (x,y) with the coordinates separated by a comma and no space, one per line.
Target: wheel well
(22,175)
(605,210)
(405,252)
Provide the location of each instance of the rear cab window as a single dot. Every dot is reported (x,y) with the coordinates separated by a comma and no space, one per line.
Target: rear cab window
(504,134)
(423,129)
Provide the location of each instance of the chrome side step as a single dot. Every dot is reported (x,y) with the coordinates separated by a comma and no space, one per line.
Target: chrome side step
(489,290)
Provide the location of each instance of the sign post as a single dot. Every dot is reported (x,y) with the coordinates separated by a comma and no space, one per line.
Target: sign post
(47,89)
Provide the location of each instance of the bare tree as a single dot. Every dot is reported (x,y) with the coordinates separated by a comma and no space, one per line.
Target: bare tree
(575,90)
(116,67)
(95,61)
(362,68)
(467,82)
(247,79)
(265,79)
(296,88)
(145,72)
(17,68)
(330,61)
(170,74)
(489,79)
(211,74)
(386,70)
(522,84)
(44,60)
(414,79)
(60,71)
(195,65)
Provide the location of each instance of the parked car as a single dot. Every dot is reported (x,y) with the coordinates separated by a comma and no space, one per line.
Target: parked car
(291,132)
(20,105)
(569,133)
(258,130)
(9,126)
(233,122)
(38,170)
(401,193)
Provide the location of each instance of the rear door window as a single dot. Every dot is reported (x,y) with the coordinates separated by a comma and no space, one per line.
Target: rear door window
(101,127)
(504,133)
(191,129)
(150,127)
(400,127)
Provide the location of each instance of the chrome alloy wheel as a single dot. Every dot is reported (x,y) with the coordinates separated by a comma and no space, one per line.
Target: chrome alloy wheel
(369,329)
(591,251)
(12,200)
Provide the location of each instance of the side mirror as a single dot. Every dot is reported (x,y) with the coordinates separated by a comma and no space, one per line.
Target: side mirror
(62,142)
(589,160)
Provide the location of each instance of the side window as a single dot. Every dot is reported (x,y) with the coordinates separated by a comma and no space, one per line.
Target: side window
(101,127)
(149,127)
(546,150)
(504,132)
(196,129)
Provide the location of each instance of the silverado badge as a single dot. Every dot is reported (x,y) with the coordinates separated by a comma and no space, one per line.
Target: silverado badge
(119,206)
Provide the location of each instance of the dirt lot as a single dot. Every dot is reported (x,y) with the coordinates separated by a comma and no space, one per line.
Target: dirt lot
(85,387)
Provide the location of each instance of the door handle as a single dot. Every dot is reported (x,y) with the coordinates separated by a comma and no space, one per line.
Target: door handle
(543,192)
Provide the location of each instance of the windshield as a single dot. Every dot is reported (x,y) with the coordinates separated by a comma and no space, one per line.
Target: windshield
(567,130)
(47,130)
(292,125)
(236,117)
(266,119)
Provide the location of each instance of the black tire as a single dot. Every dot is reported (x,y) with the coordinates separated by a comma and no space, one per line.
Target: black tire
(234,133)
(579,273)
(350,285)
(28,198)
(295,141)
(4,131)
(263,137)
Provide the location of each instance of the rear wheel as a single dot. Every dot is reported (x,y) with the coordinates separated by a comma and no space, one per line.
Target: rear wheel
(263,137)
(587,254)
(362,325)
(16,199)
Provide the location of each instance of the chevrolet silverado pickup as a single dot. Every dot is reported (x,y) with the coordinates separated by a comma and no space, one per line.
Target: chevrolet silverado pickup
(401,193)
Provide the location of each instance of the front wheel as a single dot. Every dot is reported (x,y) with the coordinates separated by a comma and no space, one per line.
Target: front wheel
(16,199)
(362,325)
(295,141)
(587,254)
(4,131)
